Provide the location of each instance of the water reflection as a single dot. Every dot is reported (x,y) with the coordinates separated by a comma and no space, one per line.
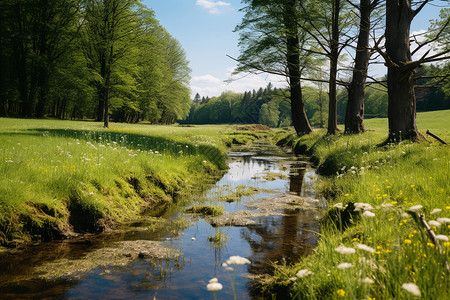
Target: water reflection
(271,239)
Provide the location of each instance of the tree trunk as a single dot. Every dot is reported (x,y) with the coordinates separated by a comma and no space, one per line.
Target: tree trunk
(334,56)
(354,115)
(299,118)
(401,96)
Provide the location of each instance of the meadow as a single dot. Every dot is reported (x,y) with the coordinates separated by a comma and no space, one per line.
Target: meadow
(60,178)
(373,243)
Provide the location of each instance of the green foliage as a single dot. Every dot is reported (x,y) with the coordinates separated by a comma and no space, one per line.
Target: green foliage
(119,56)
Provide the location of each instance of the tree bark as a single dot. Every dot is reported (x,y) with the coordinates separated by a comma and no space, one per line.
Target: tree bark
(299,118)
(401,96)
(354,115)
(334,56)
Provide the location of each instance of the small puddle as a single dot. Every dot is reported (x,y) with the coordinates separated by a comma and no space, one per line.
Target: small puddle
(271,216)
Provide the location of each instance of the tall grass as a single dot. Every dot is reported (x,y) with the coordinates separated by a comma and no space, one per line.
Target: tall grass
(60,176)
(393,179)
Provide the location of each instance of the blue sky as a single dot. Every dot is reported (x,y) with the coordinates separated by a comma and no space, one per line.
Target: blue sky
(205,30)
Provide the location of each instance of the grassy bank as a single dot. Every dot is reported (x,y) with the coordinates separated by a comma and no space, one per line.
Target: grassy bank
(385,252)
(59,178)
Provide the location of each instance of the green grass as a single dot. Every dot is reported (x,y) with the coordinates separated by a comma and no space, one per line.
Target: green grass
(391,179)
(57,177)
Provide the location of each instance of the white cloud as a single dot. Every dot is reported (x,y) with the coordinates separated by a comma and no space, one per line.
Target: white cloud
(209,85)
(213,7)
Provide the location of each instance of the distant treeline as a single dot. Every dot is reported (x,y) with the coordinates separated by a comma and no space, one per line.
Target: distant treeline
(76,59)
(271,106)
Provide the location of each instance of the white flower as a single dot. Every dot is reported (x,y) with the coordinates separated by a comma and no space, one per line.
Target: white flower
(434,223)
(365,248)
(303,273)
(193,239)
(368,214)
(213,280)
(367,280)
(343,266)
(387,205)
(443,220)
(359,206)
(213,287)
(441,237)
(436,211)
(91,194)
(345,250)
(339,205)
(416,208)
(412,288)
(237,260)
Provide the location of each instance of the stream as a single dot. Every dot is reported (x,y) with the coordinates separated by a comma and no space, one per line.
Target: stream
(270,223)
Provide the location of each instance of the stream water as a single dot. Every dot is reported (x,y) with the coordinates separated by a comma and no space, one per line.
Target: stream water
(284,236)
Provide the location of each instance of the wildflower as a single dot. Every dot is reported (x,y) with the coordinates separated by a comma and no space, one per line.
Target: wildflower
(387,205)
(368,214)
(407,241)
(214,286)
(367,280)
(416,208)
(343,266)
(341,293)
(434,223)
(339,205)
(443,220)
(441,237)
(436,211)
(411,288)
(412,185)
(359,206)
(303,273)
(365,248)
(345,250)
(237,260)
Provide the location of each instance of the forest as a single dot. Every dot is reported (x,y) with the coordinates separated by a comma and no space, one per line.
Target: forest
(90,59)
(101,59)
(271,106)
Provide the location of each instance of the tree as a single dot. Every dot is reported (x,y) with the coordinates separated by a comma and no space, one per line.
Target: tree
(197,98)
(270,42)
(108,32)
(398,58)
(354,116)
(326,23)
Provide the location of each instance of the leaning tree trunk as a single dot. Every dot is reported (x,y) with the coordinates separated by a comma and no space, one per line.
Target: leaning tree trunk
(299,118)
(334,56)
(401,97)
(354,115)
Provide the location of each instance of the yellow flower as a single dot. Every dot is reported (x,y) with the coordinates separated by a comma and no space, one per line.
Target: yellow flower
(407,241)
(394,202)
(447,207)
(346,195)
(412,185)
(341,293)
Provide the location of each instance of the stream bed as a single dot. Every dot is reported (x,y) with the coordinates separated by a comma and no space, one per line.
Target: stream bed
(271,215)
